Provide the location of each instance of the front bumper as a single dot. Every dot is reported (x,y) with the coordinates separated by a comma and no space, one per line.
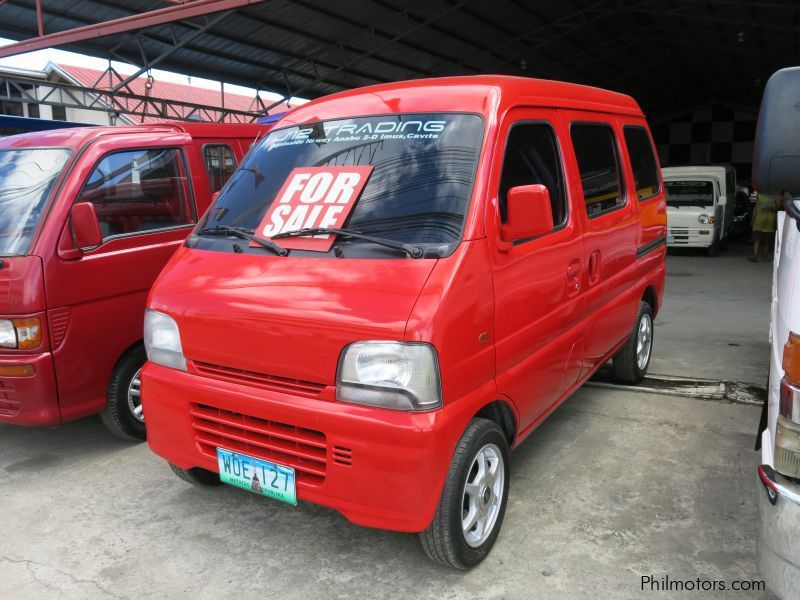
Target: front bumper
(779,534)
(29,400)
(379,468)
(690,237)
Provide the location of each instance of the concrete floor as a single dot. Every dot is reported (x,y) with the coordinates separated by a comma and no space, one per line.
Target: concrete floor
(614,486)
(715,320)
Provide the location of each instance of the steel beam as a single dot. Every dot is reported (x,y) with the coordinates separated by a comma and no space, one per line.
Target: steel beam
(36,91)
(177,12)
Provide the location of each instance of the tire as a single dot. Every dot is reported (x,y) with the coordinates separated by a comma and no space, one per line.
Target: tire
(713,249)
(629,365)
(118,416)
(445,540)
(197,476)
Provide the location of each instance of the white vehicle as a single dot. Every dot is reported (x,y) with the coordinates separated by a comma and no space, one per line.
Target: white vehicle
(776,172)
(700,205)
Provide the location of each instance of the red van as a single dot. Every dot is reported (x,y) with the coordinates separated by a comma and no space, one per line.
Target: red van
(88,217)
(398,285)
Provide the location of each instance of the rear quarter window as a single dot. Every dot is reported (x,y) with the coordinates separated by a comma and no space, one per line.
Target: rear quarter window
(598,162)
(643,162)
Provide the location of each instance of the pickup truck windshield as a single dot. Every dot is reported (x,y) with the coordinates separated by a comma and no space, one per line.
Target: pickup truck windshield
(418,192)
(26,180)
(690,193)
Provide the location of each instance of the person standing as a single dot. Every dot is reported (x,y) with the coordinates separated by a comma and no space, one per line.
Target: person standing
(765,222)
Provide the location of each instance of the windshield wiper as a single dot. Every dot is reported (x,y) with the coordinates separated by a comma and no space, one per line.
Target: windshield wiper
(245,234)
(412,251)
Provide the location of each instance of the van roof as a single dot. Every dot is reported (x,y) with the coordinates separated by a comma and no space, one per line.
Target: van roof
(75,137)
(482,94)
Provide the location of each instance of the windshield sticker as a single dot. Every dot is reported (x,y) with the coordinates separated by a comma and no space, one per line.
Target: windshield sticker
(352,132)
(313,197)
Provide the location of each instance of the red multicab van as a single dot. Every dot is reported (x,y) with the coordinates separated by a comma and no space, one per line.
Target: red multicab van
(88,217)
(398,285)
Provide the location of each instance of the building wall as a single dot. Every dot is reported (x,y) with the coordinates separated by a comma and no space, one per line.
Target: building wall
(713,135)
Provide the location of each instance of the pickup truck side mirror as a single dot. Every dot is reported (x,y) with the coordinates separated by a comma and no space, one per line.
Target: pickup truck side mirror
(722,200)
(529,213)
(85,225)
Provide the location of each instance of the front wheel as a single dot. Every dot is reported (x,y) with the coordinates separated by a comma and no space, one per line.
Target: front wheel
(713,249)
(123,414)
(631,362)
(473,501)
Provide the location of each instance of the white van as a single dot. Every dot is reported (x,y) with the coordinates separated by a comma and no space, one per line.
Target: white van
(700,205)
(776,169)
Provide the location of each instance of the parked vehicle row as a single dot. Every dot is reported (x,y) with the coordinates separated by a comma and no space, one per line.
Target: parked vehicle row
(88,217)
(378,306)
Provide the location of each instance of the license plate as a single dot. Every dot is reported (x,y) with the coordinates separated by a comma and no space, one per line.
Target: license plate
(670,239)
(256,475)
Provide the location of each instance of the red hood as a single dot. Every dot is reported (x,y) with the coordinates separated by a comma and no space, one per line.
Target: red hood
(21,285)
(286,317)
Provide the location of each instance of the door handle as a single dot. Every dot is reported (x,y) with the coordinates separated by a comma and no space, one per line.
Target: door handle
(594,266)
(574,269)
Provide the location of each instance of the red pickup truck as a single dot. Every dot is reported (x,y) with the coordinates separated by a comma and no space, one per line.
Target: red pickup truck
(88,218)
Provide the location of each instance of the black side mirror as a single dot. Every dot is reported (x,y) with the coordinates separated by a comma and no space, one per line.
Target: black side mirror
(776,157)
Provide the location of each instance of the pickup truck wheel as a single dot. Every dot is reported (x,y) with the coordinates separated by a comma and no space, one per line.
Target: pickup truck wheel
(713,249)
(123,414)
(196,476)
(631,362)
(473,501)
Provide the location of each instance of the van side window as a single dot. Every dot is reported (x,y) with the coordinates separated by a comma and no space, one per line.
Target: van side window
(643,161)
(139,190)
(598,164)
(220,165)
(532,157)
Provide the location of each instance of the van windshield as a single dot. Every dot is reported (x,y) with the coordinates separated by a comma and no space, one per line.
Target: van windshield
(690,193)
(418,191)
(26,180)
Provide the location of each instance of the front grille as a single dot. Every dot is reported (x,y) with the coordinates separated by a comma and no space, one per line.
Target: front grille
(260,380)
(343,456)
(305,450)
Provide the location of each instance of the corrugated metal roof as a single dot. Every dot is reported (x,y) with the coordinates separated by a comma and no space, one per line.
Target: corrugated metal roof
(665,53)
(165,90)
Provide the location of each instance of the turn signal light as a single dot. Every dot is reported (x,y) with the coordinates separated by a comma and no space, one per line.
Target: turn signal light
(791,359)
(17,371)
(29,333)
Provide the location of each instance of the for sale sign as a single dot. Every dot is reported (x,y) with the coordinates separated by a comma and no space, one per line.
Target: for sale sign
(314,197)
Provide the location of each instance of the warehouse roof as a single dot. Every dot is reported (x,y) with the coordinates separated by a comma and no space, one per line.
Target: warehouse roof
(665,53)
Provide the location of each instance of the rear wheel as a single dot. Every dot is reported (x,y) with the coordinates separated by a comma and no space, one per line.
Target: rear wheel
(196,476)
(473,501)
(631,362)
(123,414)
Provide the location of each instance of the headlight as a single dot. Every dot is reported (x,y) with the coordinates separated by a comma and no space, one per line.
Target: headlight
(21,334)
(390,375)
(162,340)
(704,219)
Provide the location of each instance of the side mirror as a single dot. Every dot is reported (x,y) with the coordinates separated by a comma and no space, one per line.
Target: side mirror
(85,226)
(529,213)
(776,156)
(722,200)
